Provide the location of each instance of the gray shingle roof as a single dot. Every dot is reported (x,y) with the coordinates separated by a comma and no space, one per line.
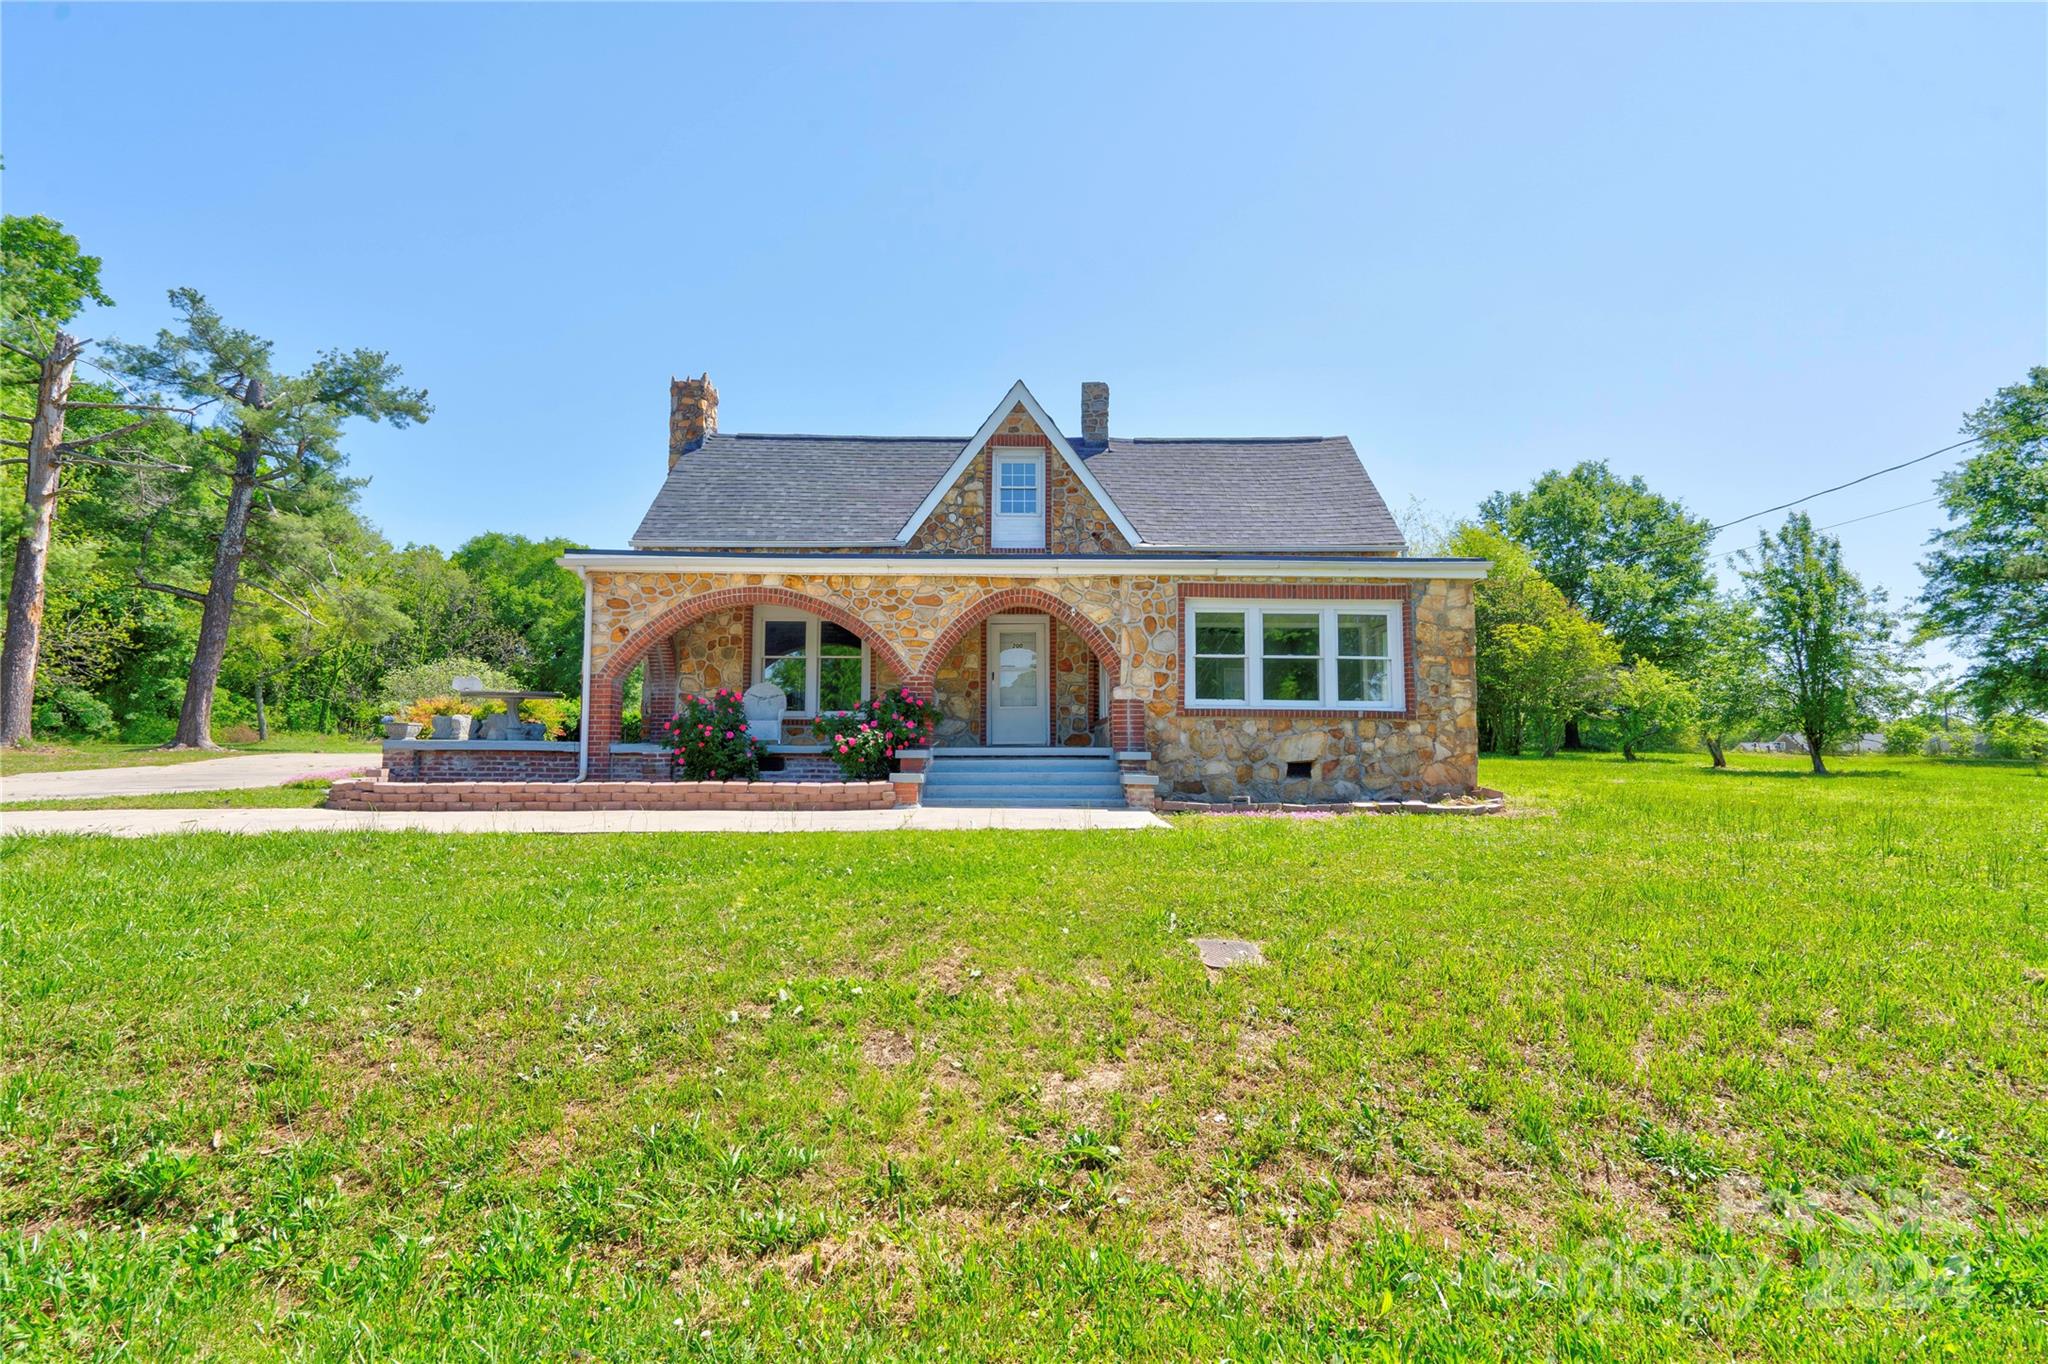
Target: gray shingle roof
(795,490)
(1304,492)
(1299,493)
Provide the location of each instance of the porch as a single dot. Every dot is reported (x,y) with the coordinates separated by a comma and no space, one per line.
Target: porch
(1013,680)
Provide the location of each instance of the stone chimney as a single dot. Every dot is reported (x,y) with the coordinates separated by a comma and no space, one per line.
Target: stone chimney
(1095,413)
(692,415)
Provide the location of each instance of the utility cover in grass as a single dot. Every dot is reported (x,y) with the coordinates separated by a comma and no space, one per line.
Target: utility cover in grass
(1220,954)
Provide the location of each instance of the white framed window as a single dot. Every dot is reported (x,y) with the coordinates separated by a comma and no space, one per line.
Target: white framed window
(1018,513)
(1299,655)
(819,664)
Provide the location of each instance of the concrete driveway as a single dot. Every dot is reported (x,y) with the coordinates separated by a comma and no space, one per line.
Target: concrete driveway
(208,774)
(137,823)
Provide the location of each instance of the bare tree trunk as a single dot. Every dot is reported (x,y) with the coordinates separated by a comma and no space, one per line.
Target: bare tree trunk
(1813,746)
(195,718)
(262,715)
(1714,747)
(32,549)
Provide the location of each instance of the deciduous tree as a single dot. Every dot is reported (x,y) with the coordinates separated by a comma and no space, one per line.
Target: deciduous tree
(1540,662)
(1633,561)
(1987,577)
(1731,677)
(45,281)
(1825,636)
(1647,703)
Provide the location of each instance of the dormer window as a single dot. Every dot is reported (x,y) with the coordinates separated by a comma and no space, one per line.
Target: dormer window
(1019,520)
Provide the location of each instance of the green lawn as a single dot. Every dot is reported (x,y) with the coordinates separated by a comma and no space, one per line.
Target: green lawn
(69,756)
(295,795)
(1669,1064)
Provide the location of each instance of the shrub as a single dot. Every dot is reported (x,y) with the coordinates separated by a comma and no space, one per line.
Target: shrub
(710,741)
(74,710)
(404,686)
(2017,736)
(423,711)
(1906,737)
(563,718)
(863,740)
(1648,704)
(148,729)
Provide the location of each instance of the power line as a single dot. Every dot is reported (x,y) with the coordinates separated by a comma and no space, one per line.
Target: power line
(1868,516)
(1679,541)
(1890,468)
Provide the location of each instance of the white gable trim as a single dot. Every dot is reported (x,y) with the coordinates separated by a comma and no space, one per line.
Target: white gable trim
(1017,394)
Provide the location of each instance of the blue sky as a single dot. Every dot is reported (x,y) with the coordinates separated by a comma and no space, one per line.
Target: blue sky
(1743,251)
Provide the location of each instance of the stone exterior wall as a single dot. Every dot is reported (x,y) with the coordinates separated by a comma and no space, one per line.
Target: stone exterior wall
(1073,717)
(1079,525)
(1351,756)
(714,652)
(1075,522)
(957,692)
(717,650)
(959,524)
(1131,619)
(962,679)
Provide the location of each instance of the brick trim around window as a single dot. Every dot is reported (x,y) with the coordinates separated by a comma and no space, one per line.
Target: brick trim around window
(1015,441)
(1296,592)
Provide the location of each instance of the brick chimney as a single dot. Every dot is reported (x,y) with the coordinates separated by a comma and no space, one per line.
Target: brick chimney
(1095,413)
(692,415)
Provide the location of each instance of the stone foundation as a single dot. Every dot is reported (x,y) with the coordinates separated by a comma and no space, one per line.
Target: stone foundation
(613,795)
(1348,760)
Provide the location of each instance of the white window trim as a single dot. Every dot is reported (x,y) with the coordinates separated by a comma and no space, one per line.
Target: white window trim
(1015,530)
(1254,610)
(809,710)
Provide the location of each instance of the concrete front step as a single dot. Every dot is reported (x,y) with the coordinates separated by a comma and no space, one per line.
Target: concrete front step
(1014,802)
(988,791)
(1081,779)
(1063,766)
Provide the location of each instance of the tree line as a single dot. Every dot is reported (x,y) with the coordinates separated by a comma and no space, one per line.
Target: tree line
(1601,621)
(189,559)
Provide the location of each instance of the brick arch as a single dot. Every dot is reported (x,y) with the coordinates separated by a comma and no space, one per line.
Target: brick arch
(1018,599)
(635,646)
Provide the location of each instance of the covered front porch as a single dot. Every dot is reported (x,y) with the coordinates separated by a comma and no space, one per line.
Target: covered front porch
(1008,667)
(1017,681)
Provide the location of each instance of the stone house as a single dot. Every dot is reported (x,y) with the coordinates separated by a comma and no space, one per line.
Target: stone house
(1217,617)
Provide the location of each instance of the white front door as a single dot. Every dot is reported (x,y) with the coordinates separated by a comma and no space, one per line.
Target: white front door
(1019,682)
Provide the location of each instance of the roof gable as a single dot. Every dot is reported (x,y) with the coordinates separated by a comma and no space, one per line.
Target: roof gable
(1018,396)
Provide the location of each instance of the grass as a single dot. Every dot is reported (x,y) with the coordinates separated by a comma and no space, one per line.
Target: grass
(295,795)
(70,756)
(1670,1064)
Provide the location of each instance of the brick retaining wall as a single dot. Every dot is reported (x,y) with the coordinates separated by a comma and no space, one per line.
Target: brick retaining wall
(474,760)
(611,795)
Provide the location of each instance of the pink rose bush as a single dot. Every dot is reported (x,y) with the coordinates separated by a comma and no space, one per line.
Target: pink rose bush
(709,739)
(864,739)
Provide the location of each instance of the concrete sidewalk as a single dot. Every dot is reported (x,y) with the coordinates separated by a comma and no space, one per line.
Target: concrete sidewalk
(138,823)
(207,774)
